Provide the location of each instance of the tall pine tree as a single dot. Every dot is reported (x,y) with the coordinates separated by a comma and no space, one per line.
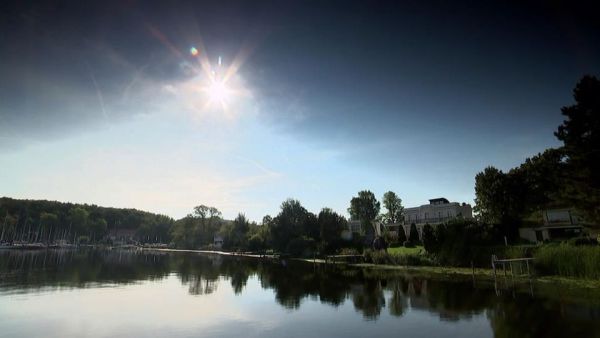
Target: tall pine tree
(580,133)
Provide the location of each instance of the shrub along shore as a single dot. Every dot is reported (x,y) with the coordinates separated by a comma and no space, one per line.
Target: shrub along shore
(556,259)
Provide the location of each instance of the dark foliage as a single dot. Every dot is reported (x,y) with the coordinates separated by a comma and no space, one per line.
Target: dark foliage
(47,221)
(580,133)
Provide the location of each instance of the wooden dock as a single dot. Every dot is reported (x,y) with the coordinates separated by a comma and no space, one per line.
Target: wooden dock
(496,263)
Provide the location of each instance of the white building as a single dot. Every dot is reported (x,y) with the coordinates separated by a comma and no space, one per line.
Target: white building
(439,210)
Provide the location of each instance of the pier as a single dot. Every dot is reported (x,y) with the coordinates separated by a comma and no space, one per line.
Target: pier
(504,262)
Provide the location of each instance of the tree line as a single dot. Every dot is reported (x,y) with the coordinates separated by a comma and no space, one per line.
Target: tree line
(49,221)
(294,230)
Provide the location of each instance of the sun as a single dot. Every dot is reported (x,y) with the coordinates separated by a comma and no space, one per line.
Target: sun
(220,88)
(218,92)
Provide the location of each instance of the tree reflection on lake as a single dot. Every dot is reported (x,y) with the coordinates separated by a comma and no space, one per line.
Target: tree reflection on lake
(370,292)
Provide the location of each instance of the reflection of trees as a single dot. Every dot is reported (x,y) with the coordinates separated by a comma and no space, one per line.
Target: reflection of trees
(369,291)
(200,286)
(238,281)
(70,268)
(201,275)
(290,283)
(527,317)
(460,300)
(368,298)
(398,302)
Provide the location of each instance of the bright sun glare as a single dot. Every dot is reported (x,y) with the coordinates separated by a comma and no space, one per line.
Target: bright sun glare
(219,85)
(218,92)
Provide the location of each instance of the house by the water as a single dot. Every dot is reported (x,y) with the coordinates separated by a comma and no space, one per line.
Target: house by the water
(559,223)
(439,210)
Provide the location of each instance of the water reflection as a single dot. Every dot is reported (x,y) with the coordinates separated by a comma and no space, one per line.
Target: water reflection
(370,292)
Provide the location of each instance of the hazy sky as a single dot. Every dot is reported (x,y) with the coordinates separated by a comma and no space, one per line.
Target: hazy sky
(104,103)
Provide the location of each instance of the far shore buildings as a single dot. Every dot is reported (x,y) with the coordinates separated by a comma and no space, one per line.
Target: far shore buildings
(439,210)
(545,225)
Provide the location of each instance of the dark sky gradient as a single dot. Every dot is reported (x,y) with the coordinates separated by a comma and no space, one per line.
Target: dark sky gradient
(362,68)
(388,82)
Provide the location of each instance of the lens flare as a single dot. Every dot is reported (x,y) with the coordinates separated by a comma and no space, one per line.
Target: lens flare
(194,51)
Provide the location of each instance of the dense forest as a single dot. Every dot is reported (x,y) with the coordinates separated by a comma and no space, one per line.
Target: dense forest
(49,221)
(294,229)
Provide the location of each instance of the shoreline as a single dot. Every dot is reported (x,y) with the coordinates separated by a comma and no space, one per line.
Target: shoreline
(480,274)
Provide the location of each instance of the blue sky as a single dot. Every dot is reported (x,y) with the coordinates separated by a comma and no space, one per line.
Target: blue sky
(104,104)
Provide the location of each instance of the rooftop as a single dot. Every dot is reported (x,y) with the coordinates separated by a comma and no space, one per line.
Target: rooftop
(440,200)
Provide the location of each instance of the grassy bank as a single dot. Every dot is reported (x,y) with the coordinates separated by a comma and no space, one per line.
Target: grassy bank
(400,256)
(564,259)
(417,250)
(482,275)
(568,260)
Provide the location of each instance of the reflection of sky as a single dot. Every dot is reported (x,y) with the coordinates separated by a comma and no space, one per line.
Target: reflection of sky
(165,308)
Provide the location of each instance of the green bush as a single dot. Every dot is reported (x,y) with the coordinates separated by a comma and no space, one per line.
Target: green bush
(301,247)
(256,243)
(429,241)
(376,256)
(413,235)
(567,260)
(401,235)
(462,242)
(357,242)
(382,257)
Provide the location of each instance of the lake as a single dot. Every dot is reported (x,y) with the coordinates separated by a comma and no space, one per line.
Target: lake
(118,293)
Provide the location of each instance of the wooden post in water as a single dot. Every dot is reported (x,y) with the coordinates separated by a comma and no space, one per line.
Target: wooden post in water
(495,276)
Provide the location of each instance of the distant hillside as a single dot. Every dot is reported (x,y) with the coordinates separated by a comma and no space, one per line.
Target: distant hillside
(65,220)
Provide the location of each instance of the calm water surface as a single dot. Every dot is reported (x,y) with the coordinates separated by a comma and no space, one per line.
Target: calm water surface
(147,294)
